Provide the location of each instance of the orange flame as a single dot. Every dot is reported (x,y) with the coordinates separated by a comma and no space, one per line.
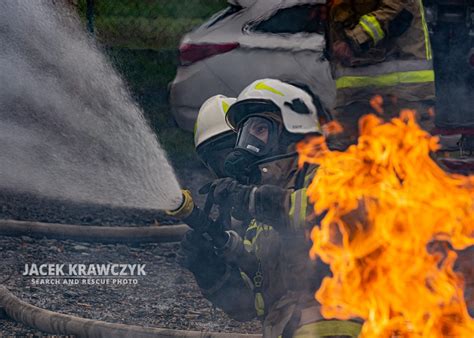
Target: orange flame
(376,103)
(332,127)
(387,202)
(431,112)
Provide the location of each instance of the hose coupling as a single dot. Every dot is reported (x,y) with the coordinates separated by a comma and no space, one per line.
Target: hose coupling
(186,207)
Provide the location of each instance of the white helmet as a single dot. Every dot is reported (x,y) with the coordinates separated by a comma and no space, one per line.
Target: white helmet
(211,120)
(297,108)
(213,138)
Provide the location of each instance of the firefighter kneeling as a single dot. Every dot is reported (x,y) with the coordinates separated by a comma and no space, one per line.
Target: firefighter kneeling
(267,192)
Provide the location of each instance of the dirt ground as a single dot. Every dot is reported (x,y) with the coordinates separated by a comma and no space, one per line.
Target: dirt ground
(166,297)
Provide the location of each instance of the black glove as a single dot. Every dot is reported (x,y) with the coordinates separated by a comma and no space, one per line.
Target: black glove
(196,253)
(227,191)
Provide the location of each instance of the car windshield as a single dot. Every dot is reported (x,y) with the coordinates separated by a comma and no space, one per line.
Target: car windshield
(297,19)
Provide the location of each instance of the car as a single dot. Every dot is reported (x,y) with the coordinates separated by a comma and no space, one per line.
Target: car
(250,40)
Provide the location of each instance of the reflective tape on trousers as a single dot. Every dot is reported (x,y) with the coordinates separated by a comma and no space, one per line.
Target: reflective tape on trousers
(386,80)
(385,67)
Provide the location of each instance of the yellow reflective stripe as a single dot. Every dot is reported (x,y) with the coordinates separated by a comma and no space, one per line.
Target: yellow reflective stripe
(429,55)
(293,208)
(304,205)
(419,76)
(299,203)
(328,328)
(292,205)
(247,280)
(308,178)
(370,24)
(259,304)
(263,86)
(252,233)
(386,67)
(367,29)
(252,225)
(260,228)
(247,245)
(225,106)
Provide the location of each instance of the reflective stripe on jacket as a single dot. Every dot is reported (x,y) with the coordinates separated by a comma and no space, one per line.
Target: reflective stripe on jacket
(392,50)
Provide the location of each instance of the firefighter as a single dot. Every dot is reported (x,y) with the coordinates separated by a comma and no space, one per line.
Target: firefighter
(270,117)
(380,47)
(219,281)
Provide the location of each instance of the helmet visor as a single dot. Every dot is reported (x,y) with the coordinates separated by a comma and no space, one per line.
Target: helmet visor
(258,136)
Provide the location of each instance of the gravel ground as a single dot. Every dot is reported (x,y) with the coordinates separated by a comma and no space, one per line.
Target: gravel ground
(166,297)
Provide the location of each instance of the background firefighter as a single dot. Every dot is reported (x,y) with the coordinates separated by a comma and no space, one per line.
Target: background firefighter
(380,47)
(219,281)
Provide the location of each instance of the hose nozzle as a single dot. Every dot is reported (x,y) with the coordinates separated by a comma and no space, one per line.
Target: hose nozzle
(186,207)
(197,219)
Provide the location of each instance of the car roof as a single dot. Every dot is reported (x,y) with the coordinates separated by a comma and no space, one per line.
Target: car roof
(232,28)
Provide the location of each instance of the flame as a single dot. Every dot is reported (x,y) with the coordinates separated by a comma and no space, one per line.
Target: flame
(431,112)
(394,220)
(376,103)
(332,127)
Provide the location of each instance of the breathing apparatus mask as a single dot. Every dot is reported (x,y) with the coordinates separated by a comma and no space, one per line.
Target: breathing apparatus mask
(214,152)
(269,115)
(258,141)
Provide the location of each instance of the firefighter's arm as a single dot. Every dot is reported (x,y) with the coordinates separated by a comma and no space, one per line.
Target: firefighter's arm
(375,26)
(269,204)
(219,280)
(285,209)
(231,294)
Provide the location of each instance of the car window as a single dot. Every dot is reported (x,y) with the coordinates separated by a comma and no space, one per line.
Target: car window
(298,19)
(232,9)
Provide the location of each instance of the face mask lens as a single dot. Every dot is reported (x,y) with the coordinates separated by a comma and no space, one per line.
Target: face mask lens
(260,129)
(255,136)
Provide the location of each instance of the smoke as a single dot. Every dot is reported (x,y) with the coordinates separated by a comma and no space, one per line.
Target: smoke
(68,126)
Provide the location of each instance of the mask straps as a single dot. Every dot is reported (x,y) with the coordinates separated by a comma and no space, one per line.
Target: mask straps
(273,158)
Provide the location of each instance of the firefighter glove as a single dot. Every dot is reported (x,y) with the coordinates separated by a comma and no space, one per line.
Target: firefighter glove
(227,191)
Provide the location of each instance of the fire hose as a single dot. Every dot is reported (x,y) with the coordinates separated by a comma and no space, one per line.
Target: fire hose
(58,323)
(96,234)
(188,212)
